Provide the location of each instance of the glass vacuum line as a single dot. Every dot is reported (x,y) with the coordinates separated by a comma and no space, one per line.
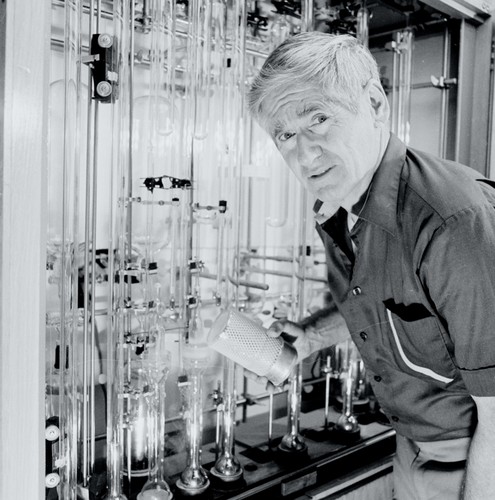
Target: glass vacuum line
(89,244)
(120,277)
(69,314)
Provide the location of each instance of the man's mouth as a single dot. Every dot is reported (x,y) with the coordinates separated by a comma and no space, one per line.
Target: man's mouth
(320,174)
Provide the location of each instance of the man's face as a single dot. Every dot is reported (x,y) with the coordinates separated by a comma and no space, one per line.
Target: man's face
(330,149)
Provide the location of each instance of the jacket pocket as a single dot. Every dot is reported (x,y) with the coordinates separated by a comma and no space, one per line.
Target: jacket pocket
(415,367)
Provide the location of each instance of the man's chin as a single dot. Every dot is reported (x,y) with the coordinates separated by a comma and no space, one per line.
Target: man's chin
(328,198)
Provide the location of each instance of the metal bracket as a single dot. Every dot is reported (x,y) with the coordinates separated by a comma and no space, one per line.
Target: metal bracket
(52,436)
(443,83)
(220,208)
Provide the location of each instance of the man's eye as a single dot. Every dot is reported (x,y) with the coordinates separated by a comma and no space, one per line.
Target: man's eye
(321,118)
(285,136)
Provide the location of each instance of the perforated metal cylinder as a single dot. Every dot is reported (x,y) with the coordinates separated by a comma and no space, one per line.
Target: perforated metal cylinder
(244,341)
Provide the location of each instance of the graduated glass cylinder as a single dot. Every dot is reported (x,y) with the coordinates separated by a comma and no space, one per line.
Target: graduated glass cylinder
(347,421)
(193,479)
(227,467)
(293,441)
(156,362)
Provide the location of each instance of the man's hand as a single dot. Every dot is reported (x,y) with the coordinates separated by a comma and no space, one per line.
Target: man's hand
(291,333)
(324,328)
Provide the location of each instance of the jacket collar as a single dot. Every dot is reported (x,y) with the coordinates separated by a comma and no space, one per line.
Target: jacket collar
(378,205)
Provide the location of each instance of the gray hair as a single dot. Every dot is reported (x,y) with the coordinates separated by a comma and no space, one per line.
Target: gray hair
(338,64)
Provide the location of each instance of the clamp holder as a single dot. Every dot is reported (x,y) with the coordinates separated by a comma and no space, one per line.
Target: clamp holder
(103,67)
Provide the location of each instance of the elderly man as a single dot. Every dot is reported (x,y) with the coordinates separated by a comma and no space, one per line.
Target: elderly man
(410,244)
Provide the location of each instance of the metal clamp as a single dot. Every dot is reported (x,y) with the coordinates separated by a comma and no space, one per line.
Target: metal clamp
(152,183)
(103,67)
(443,83)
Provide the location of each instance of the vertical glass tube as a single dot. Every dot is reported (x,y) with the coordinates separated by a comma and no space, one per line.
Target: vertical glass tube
(119,255)
(220,278)
(395,87)
(278,189)
(115,399)
(362,25)
(228,77)
(187,153)
(193,479)
(308,19)
(235,121)
(91,247)
(216,171)
(161,113)
(445,92)
(200,33)
(156,363)
(183,255)
(328,374)
(218,49)
(348,391)
(145,440)
(88,248)
(405,40)
(292,440)
(168,52)
(62,312)
(347,422)
(174,249)
(279,31)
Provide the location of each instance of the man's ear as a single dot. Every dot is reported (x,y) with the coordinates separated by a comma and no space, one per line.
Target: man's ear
(379,102)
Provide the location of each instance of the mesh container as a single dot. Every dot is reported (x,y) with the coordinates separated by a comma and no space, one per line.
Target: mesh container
(244,341)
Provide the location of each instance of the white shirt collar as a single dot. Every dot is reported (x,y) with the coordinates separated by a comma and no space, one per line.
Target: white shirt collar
(324,213)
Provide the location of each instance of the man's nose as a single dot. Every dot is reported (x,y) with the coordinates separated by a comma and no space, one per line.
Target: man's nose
(308,149)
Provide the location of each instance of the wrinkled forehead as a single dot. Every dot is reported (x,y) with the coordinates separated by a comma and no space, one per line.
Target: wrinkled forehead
(284,106)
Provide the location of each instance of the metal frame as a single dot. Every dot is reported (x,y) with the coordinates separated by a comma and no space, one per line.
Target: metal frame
(24,66)
(476,11)
(474,95)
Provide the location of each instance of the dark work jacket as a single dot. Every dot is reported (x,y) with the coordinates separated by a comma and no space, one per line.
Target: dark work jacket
(418,295)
